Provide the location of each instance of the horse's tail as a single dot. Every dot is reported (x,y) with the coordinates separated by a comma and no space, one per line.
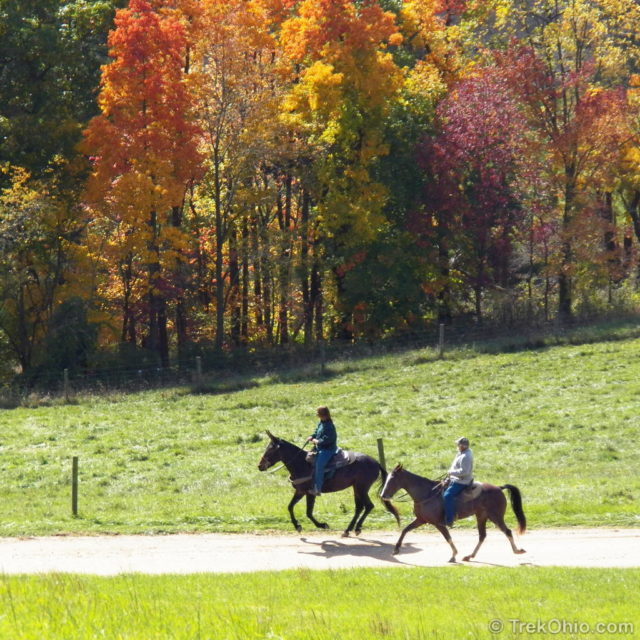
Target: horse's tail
(516,505)
(388,505)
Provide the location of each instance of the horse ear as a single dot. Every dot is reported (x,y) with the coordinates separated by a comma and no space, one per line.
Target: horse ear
(273,438)
(398,467)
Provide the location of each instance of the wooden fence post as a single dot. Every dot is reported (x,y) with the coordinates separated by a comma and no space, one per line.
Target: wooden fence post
(383,463)
(74,486)
(441,341)
(198,371)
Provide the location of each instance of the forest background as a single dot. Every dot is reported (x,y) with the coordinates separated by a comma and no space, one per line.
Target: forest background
(180,177)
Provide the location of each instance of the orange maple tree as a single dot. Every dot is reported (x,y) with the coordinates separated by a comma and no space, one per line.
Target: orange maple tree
(144,151)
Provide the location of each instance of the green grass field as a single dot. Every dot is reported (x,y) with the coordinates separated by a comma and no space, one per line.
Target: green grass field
(451,602)
(560,422)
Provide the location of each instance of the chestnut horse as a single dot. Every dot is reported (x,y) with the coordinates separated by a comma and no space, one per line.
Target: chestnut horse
(360,475)
(428,507)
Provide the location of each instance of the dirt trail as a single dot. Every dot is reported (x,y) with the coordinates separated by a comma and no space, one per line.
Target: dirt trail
(227,553)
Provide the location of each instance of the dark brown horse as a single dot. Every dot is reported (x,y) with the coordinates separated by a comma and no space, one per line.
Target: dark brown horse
(428,507)
(360,475)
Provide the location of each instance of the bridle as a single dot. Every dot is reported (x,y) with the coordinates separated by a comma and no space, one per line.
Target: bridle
(283,461)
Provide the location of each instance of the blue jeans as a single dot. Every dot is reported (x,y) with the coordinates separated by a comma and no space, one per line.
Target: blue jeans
(324,455)
(449,496)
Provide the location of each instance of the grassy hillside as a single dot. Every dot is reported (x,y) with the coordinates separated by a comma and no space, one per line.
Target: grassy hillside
(561,423)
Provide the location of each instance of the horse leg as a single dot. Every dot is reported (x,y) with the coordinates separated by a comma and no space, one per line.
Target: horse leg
(294,501)
(368,507)
(413,525)
(445,532)
(311,501)
(499,522)
(359,507)
(482,534)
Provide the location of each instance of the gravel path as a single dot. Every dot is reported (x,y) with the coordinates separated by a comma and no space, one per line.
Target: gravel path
(228,553)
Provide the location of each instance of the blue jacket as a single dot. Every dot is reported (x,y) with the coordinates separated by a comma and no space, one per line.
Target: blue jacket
(326,435)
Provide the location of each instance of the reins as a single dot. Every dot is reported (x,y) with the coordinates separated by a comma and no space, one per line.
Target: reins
(405,497)
(283,463)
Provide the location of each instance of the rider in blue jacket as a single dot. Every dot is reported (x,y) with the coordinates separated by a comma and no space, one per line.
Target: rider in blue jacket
(325,440)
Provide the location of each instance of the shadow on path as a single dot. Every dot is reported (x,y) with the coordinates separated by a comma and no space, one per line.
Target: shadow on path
(362,548)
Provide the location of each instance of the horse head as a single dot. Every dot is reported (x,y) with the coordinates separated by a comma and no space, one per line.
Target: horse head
(271,454)
(392,483)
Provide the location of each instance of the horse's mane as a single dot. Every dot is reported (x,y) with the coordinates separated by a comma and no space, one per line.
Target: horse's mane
(423,479)
(290,445)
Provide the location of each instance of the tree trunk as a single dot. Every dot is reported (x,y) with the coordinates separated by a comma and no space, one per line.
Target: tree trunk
(317,298)
(128,318)
(444,294)
(244,324)
(220,237)
(158,338)
(345,330)
(565,299)
(634,213)
(257,270)
(284,219)
(267,284)
(307,301)
(234,281)
(181,284)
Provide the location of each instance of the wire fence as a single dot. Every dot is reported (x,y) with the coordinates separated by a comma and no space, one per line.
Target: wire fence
(211,371)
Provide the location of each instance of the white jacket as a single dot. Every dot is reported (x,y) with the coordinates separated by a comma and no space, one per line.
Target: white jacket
(461,470)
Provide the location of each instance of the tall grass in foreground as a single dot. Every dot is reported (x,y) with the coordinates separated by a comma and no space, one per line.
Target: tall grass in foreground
(561,423)
(452,602)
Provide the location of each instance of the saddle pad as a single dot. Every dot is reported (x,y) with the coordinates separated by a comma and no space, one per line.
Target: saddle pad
(470,493)
(340,458)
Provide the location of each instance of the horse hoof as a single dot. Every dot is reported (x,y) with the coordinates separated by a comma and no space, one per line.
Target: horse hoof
(358,532)
(452,560)
(323,525)
(467,558)
(396,552)
(298,528)
(520,551)
(345,534)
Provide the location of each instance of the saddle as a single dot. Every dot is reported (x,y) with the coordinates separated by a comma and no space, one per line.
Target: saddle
(472,492)
(341,458)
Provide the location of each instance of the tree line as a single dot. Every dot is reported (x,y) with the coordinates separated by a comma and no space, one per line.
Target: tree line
(180,175)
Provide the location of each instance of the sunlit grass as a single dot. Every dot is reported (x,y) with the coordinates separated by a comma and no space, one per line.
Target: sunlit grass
(450,602)
(560,423)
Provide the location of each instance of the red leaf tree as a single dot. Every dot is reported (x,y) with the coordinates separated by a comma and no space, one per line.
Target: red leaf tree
(144,144)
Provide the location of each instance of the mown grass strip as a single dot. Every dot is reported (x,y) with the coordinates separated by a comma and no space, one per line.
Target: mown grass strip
(451,602)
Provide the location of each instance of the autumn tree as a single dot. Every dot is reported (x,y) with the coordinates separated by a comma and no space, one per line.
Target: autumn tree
(233,62)
(346,83)
(475,161)
(144,150)
(564,65)
(39,258)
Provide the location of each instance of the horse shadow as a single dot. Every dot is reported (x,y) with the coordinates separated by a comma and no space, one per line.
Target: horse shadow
(363,548)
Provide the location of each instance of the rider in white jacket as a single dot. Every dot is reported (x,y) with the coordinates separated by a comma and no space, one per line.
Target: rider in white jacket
(460,477)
